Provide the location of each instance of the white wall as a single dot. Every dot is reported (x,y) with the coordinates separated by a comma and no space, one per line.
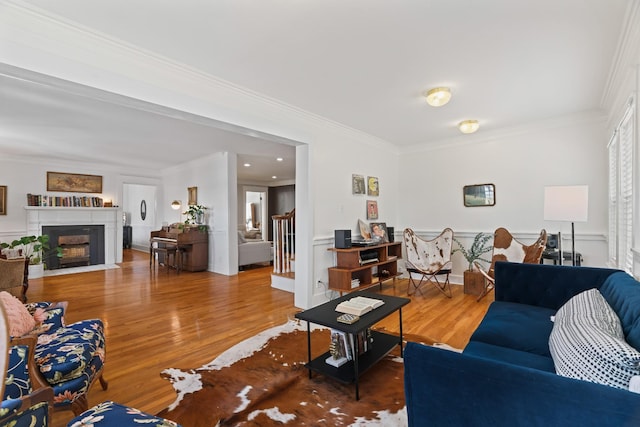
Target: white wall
(567,151)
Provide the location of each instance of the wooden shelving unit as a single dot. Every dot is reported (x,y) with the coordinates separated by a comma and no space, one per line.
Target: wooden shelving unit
(360,263)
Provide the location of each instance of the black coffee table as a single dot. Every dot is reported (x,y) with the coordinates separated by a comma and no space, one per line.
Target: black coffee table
(381,345)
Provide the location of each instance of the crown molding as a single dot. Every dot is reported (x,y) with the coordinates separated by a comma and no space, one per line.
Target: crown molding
(626,57)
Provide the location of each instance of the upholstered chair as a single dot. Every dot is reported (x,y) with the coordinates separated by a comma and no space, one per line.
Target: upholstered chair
(26,401)
(69,357)
(112,414)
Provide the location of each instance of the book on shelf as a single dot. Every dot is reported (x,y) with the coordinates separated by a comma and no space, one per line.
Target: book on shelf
(358,305)
(355,283)
(64,201)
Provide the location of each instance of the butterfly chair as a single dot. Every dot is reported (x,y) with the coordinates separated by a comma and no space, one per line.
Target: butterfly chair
(507,248)
(429,259)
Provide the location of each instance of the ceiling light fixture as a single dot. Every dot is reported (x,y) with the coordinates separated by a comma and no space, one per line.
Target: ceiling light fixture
(438,96)
(246,165)
(279,159)
(468,126)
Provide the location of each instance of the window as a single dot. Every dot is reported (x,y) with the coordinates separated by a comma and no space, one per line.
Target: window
(621,155)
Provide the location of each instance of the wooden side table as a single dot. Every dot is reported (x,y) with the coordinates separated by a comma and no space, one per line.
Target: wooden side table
(473,282)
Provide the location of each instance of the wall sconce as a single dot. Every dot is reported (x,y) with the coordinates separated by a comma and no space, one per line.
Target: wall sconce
(438,96)
(176,205)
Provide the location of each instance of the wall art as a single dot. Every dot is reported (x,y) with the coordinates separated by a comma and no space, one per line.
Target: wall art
(372,209)
(373,189)
(479,195)
(74,182)
(3,199)
(357,184)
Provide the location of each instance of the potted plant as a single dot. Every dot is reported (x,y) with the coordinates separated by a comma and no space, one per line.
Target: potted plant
(195,214)
(473,279)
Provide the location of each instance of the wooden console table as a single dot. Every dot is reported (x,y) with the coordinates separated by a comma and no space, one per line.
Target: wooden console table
(355,266)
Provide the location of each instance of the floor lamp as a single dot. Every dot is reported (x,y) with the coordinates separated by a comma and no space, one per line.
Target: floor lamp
(567,203)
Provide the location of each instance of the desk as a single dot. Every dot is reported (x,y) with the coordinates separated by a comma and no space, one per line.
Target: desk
(193,244)
(566,257)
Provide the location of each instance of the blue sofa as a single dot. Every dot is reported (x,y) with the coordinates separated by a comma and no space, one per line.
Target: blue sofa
(505,376)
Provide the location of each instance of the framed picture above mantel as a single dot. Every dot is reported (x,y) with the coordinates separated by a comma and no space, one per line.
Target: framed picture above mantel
(74,182)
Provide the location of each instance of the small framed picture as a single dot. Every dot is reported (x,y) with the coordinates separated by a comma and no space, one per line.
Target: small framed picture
(372,209)
(357,184)
(379,231)
(193,195)
(372,186)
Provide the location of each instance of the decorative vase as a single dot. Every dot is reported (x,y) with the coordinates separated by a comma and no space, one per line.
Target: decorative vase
(200,218)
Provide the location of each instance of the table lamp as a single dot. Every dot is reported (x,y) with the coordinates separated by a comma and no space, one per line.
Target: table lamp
(567,203)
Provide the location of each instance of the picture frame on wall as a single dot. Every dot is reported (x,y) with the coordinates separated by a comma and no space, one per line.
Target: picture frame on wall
(3,199)
(373,187)
(372,209)
(74,182)
(193,195)
(357,184)
(479,195)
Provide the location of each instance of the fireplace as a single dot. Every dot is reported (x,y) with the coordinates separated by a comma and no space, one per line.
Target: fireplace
(80,245)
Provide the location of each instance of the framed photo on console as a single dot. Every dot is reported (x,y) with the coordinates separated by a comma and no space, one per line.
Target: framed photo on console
(379,231)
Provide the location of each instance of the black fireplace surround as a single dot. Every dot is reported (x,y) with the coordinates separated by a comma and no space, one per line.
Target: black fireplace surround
(96,243)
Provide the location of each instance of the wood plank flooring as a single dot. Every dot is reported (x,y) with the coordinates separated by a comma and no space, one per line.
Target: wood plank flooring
(155,320)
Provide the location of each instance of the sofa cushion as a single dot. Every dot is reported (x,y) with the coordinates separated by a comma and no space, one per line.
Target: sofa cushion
(622,292)
(587,343)
(509,355)
(517,326)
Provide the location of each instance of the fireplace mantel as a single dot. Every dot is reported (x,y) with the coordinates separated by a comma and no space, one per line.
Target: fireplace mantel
(111,218)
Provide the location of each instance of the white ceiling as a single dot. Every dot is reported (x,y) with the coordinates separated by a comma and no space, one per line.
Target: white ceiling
(362,63)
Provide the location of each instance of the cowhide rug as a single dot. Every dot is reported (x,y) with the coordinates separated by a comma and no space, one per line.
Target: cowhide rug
(262,381)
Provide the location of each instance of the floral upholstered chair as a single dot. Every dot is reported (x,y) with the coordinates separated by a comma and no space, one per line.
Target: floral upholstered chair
(69,358)
(24,402)
(112,414)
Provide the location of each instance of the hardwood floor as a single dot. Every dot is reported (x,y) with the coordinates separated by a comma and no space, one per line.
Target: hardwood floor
(154,320)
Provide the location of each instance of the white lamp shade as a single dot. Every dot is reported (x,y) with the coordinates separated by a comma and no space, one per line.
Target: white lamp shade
(566,203)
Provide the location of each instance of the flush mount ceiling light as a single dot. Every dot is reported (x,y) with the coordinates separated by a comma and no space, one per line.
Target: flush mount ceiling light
(468,126)
(438,96)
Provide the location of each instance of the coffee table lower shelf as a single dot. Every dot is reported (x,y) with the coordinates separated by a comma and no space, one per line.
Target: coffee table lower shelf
(381,345)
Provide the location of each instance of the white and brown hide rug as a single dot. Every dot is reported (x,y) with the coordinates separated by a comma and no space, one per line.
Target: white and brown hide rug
(262,381)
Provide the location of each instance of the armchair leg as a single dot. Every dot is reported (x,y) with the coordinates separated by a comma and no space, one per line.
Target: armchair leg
(80,405)
(103,383)
(488,287)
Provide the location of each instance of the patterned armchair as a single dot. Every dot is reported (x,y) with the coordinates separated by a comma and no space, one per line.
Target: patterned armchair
(69,358)
(25,403)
